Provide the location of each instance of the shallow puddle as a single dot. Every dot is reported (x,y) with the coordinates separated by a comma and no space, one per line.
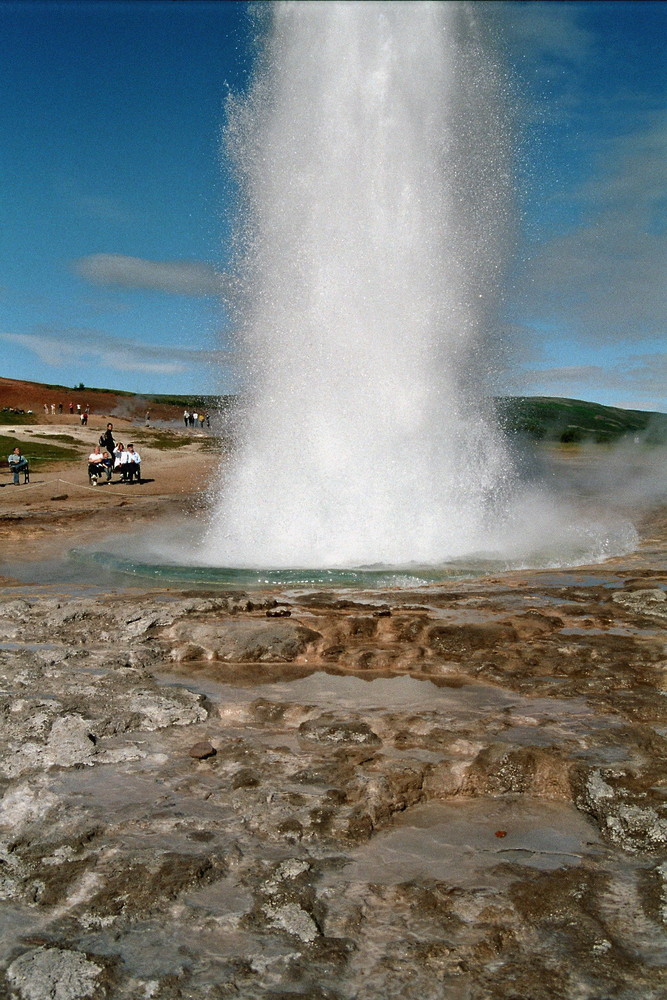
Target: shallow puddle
(460,841)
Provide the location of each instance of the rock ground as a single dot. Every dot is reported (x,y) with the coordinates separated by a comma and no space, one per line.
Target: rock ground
(456,793)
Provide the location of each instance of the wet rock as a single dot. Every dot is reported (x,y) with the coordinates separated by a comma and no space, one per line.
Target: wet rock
(329,730)
(461,640)
(175,708)
(243,641)
(651,602)
(290,917)
(27,803)
(499,770)
(54,974)
(620,811)
(202,750)
(245,778)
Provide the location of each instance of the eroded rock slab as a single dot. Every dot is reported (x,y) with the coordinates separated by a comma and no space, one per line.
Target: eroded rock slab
(460,796)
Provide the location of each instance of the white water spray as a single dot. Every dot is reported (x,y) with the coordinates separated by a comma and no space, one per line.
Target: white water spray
(373,158)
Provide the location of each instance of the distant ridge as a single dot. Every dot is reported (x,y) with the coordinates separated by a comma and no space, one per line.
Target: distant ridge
(541,418)
(547,418)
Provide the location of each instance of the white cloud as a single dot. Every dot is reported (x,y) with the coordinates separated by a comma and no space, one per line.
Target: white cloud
(548,32)
(175,277)
(603,281)
(117,353)
(637,381)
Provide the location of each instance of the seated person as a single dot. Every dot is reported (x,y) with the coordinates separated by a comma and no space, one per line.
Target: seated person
(133,464)
(119,460)
(107,464)
(18,463)
(95,466)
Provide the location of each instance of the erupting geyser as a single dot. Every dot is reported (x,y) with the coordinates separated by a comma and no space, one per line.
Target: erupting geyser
(373,158)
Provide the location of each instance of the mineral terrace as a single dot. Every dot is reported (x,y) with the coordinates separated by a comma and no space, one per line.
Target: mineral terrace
(456,793)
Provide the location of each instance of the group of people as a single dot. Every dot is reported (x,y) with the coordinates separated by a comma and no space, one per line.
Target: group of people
(196,419)
(83,412)
(108,457)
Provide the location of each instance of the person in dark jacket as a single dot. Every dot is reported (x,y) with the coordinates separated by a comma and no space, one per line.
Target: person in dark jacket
(107,442)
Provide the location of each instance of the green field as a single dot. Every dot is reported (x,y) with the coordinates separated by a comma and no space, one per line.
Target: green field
(37,452)
(544,418)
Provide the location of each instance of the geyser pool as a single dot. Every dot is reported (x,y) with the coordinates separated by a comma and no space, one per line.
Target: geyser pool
(373,159)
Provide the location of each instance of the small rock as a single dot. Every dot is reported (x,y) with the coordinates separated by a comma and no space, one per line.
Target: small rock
(245,778)
(382,613)
(293,919)
(279,613)
(61,496)
(202,750)
(53,974)
(328,730)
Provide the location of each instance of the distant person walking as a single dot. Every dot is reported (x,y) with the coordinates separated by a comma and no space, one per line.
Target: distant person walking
(186,417)
(18,463)
(60,407)
(53,409)
(71,409)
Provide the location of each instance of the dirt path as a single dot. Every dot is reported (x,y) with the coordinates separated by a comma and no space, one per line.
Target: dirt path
(40,517)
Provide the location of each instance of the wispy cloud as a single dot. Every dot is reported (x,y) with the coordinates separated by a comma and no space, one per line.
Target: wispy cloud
(604,279)
(548,32)
(94,347)
(637,381)
(174,277)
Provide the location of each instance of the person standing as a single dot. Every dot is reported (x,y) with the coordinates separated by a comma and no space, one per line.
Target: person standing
(186,417)
(107,442)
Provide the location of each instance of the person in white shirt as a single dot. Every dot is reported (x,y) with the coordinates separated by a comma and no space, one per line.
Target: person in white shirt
(132,464)
(94,464)
(119,460)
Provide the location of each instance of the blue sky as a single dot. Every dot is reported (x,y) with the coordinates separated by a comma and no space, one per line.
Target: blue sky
(116,211)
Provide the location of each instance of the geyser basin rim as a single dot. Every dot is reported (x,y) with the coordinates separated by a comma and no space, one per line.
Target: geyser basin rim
(363,577)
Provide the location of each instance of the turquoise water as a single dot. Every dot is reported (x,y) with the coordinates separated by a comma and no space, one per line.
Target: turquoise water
(362,577)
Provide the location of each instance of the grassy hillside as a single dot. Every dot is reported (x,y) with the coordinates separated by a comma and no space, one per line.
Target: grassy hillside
(544,418)
(541,418)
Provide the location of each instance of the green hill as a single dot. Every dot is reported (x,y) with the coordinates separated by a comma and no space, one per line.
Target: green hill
(545,418)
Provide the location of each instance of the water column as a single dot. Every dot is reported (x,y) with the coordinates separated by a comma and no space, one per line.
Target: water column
(372,158)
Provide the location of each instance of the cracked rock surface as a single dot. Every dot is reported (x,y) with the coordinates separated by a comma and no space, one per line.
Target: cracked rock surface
(455,793)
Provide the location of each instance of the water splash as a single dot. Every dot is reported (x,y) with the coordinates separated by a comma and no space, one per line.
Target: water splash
(373,157)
